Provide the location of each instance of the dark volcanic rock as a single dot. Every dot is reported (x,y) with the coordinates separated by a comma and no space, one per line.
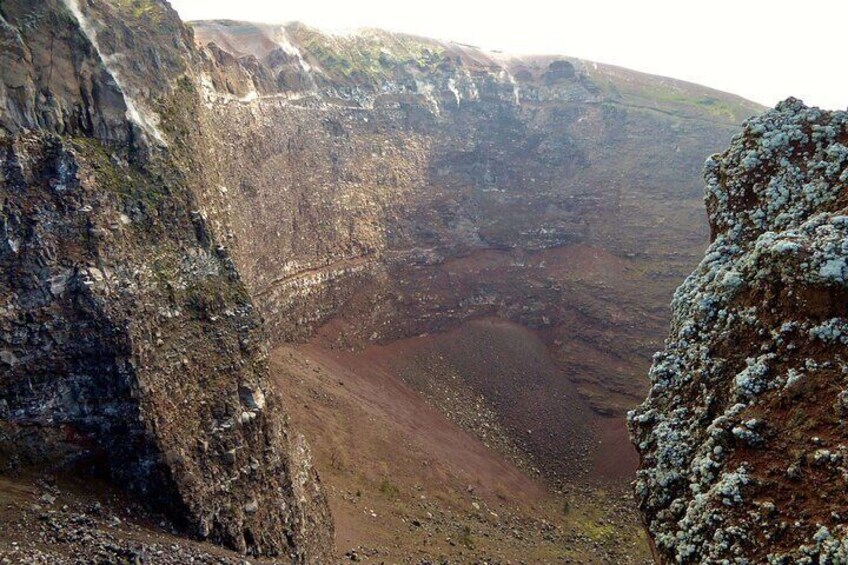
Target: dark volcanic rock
(127,335)
(743,437)
(559,70)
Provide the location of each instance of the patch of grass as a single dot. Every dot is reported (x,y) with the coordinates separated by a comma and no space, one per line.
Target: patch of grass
(150,10)
(389,489)
(590,520)
(465,537)
(366,58)
(709,104)
(127,182)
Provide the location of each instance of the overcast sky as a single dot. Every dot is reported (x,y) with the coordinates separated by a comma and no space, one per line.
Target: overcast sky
(762,50)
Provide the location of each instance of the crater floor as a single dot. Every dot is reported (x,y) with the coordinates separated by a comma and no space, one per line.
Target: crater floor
(441,447)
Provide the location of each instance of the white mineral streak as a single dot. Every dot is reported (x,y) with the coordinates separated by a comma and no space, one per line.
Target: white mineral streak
(147,121)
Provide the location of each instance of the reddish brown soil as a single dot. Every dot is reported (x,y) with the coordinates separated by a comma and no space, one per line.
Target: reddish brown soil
(394,412)
(510,368)
(536,403)
(433,431)
(602,315)
(614,457)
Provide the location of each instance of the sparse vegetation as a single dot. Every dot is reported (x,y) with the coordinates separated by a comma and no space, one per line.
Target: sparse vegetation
(371,57)
(389,489)
(465,537)
(150,10)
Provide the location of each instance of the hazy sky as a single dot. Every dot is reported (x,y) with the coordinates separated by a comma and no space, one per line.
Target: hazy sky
(763,50)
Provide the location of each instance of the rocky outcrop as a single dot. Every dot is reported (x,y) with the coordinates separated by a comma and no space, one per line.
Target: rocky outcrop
(128,340)
(743,436)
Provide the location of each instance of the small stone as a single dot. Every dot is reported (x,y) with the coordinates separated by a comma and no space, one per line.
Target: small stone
(794,471)
(58,284)
(8,358)
(252,398)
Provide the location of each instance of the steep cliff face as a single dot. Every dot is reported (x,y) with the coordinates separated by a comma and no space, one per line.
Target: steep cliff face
(382,186)
(128,336)
(743,436)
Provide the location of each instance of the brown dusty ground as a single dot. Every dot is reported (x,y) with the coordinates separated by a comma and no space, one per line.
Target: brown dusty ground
(601,315)
(420,465)
(69,517)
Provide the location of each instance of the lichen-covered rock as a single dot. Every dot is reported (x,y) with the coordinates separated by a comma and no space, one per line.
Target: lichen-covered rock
(743,437)
(127,337)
